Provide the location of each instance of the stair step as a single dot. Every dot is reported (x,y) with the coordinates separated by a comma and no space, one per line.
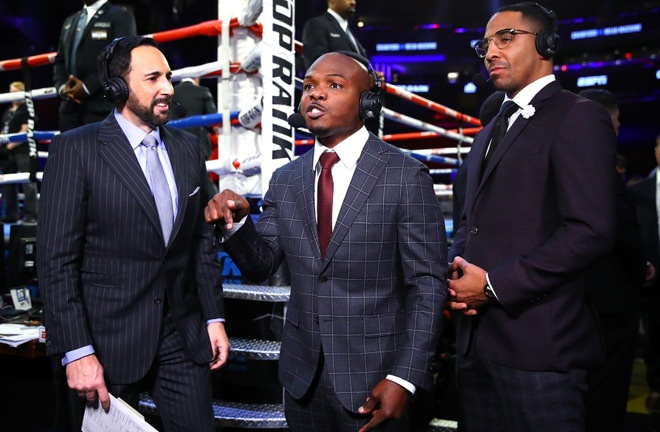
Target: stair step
(254,349)
(439,425)
(264,293)
(234,414)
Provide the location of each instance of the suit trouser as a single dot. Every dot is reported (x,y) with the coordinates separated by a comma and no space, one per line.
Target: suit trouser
(495,398)
(321,411)
(180,388)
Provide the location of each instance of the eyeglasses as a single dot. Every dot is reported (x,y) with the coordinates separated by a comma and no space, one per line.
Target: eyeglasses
(502,39)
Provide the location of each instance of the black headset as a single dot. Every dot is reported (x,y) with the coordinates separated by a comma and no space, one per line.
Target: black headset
(370,102)
(115,88)
(547,41)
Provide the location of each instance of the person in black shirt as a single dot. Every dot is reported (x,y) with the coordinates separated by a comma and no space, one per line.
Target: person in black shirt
(14,158)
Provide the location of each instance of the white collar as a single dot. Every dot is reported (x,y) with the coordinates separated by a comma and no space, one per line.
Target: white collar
(525,96)
(342,22)
(349,150)
(94,7)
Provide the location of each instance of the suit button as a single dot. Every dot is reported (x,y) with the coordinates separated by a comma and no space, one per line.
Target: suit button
(323,278)
(474,230)
(316,318)
(157,301)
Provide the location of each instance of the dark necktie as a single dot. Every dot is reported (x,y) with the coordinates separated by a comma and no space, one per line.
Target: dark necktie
(499,129)
(161,189)
(324,199)
(353,41)
(80,29)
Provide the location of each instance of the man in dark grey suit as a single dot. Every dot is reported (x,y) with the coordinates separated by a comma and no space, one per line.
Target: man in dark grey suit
(197,100)
(367,294)
(539,210)
(646,196)
(330,32)
(75,75)
(131,285)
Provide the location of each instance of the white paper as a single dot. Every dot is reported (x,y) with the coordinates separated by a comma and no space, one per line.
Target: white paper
(120,418)
(17,334)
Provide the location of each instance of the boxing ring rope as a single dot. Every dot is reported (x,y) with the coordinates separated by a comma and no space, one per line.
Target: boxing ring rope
(251,65)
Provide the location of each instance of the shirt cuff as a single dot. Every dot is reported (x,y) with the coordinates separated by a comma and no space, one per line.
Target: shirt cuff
(215,320)
(226,233)
(403,383)
(491,287)
(77,354)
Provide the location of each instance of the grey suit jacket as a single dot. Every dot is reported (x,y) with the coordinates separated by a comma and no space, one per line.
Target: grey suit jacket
(102,265)
(374,304)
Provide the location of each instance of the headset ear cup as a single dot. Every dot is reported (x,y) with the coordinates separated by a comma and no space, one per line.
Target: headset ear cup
(547,43)
(116,90)
(370,105)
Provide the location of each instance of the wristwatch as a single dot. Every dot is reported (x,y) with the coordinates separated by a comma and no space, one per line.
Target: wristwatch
(490,294)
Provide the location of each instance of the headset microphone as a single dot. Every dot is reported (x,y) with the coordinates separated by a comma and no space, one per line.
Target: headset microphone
(179,109)
(296,120)
(480,79)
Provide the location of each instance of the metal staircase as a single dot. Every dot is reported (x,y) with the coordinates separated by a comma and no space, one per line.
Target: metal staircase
(259,415)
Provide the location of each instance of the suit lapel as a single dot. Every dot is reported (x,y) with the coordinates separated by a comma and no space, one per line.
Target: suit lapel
(177,155)
(339,30)
(517,127)
(305,199)
(369,168)
(116,151)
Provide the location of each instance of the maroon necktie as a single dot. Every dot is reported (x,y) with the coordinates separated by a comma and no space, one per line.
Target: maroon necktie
(324,199)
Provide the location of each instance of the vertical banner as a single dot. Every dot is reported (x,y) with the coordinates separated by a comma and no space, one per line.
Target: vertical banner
(278,74)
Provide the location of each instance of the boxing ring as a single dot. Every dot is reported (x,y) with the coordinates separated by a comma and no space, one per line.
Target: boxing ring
(256,84)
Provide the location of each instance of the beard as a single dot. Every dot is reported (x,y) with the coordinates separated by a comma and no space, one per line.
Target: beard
(319,131)
(147,113)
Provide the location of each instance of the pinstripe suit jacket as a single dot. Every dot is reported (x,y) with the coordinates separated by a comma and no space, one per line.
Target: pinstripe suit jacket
(540,215)
(102,265)
(374,304)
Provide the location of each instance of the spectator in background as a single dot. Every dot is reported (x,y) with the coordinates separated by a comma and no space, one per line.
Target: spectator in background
(84,34)
(15,158)
(613,287)
(330,32)
(646,196)
(197,100)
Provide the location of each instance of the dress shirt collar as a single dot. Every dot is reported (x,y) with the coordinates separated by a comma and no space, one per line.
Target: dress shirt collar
(525,96)
(342,22)
(93,8)
(657,176)
(349,150)
(134,134)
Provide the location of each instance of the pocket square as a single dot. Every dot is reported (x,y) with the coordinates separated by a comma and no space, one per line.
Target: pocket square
(194,192)
(335,35)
